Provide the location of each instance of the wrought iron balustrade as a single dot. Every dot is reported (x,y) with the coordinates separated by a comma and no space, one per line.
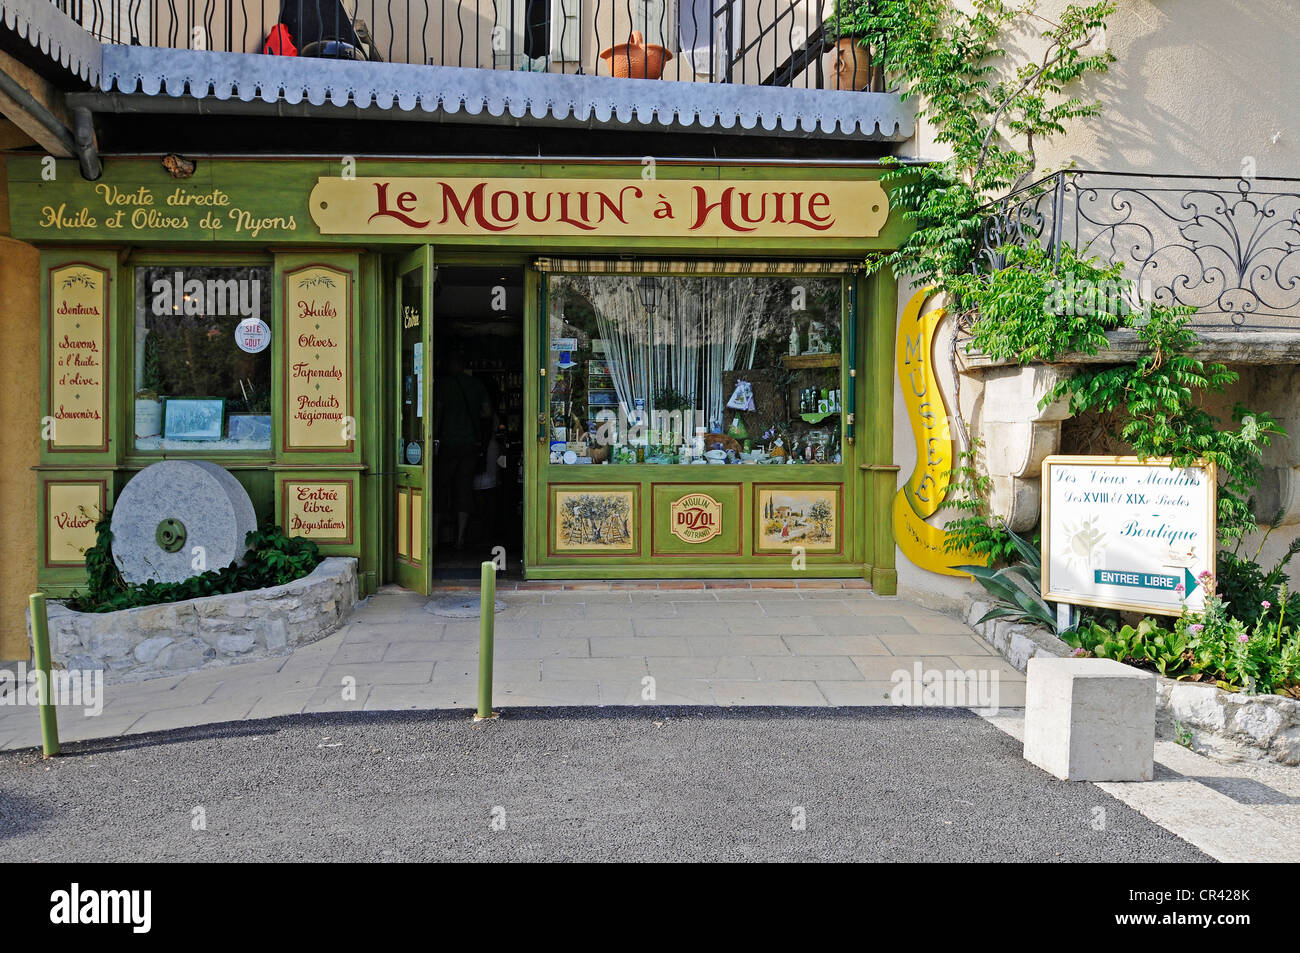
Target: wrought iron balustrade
(752,42)
(1228,247)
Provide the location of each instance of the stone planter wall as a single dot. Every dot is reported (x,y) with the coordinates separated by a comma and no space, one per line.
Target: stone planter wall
(1228,726)
(198,633)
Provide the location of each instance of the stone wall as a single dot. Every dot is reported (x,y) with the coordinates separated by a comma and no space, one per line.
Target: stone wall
(1228,726)
(198,633)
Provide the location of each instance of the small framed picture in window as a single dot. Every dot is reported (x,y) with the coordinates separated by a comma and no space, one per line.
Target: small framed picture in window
(193,418)
(249,428)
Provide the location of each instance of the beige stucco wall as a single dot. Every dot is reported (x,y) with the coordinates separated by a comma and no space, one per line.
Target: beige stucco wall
(20,341)
(1198,86)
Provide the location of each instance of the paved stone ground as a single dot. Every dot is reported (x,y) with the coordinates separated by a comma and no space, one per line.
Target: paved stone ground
(808,647)
(610,784)
(828,648)
(1242,812)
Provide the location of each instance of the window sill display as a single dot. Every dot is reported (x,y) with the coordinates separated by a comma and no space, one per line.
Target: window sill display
(223,445)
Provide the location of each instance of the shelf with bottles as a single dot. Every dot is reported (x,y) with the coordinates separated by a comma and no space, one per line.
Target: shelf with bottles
(816,404)
(796,362)
(601,394)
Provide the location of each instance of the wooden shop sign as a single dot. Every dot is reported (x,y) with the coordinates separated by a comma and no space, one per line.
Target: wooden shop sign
(614,207)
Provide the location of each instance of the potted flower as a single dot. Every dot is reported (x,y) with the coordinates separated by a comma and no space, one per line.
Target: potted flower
(850,27)
(636,58)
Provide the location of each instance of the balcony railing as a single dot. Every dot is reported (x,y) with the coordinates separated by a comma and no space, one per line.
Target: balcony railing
(753,42)
(1228,247)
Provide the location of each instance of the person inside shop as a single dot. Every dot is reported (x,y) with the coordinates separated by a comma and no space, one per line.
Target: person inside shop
(462,415)
(487,482)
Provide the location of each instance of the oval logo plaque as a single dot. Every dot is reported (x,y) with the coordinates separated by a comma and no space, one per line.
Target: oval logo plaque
(695,518)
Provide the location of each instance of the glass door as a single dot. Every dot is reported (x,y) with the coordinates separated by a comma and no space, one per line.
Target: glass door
(413,297)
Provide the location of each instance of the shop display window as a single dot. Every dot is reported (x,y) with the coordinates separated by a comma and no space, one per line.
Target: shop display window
(202,358)
(698,370)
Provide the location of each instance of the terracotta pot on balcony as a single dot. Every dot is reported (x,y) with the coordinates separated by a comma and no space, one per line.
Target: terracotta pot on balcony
(635,59)
(853,69)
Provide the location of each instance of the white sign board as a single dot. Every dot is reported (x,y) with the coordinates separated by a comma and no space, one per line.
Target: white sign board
(1120,533)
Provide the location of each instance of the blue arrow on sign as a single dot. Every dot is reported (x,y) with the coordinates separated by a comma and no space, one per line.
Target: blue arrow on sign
(1146,580)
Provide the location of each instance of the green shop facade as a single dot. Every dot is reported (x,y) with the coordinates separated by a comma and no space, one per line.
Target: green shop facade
(690,371)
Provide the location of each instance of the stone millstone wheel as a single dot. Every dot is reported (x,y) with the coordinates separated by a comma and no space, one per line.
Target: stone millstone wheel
(169,508)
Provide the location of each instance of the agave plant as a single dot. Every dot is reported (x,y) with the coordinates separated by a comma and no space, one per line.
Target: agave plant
(1016,589)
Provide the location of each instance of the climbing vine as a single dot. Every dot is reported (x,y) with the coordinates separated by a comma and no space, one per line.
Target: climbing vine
(990,114)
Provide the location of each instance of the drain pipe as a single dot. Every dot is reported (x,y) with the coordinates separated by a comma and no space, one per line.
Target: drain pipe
(82,145)
(83,125)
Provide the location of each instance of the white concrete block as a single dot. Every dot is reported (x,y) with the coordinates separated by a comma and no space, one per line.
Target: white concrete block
(1090,719)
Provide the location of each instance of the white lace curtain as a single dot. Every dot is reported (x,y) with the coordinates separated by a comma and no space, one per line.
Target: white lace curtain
(702,328)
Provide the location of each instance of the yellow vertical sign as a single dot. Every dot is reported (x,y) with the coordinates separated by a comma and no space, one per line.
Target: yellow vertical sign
(78,373)
(927,488)
(319,510)
(318,359)
(71,512)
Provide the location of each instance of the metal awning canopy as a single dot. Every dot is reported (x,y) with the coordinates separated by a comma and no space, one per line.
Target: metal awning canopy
(633,266)
(153,79)
(146,79)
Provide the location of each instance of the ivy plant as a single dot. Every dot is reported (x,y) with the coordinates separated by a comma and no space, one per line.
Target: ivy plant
(974,530)
(989,113)
(1037,308)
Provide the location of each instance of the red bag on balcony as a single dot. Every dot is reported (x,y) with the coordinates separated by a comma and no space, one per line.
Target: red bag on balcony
(279,42)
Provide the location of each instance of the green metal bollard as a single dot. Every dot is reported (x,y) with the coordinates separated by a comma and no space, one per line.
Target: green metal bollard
(486,625)
(41,649)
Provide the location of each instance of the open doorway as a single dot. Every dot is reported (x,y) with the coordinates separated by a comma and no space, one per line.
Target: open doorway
(478,419)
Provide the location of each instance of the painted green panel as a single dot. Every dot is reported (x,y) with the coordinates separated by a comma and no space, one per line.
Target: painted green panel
(683,514)
(137,200)
(259,486)
(595,522)
(62,580)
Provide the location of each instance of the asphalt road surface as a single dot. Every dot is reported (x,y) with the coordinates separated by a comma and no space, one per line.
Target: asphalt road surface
(606,784)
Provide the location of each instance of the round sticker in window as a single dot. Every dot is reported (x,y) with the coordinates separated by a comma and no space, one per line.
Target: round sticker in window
(413,452)
(252,335)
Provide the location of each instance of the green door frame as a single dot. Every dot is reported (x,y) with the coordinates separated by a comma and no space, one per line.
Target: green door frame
(412,514)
